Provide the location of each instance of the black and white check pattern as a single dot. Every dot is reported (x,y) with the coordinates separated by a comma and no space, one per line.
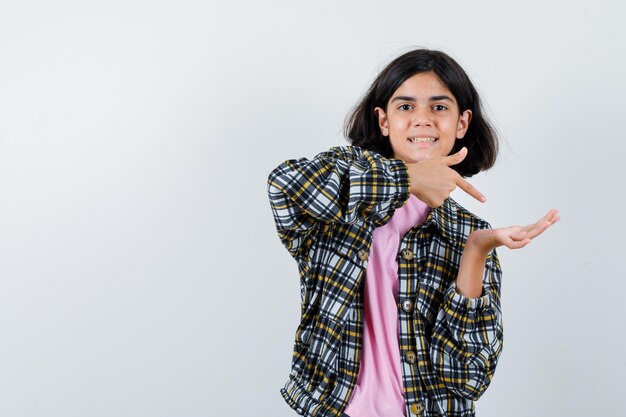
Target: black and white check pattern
(325,211)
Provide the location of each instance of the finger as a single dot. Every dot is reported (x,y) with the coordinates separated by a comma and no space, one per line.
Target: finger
(550,217)
(470,189)
(533,232)
(455,158)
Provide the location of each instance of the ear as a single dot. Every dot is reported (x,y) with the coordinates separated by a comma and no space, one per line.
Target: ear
(383,123)
(464,120)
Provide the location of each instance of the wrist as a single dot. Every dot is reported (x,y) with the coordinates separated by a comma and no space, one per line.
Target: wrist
(479,243)
(469,281)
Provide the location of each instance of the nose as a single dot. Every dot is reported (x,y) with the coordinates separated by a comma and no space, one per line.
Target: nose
(422,116)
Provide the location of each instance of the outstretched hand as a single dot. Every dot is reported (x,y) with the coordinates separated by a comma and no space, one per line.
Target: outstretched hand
(513,237)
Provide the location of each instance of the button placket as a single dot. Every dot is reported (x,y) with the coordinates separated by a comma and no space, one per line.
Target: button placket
(408,305)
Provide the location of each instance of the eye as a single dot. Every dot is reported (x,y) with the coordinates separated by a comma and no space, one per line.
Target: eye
(405,107)
(440,107)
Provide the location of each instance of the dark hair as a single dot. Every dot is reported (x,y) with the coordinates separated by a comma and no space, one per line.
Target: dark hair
(362,129)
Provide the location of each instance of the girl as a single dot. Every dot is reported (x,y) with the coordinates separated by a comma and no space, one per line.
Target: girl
(400,285)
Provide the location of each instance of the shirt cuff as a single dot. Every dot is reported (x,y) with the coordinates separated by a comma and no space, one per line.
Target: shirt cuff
(458,304)
(400,172)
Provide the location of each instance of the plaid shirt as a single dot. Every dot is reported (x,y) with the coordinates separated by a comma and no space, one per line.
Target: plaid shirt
(325,211)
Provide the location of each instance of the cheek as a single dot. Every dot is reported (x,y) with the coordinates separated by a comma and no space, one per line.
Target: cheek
(403,122)
(400,125)
(452,124)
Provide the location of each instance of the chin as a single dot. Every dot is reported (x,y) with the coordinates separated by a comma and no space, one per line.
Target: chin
(420,156)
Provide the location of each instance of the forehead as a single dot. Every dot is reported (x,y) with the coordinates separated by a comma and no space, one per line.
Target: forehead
(423,86)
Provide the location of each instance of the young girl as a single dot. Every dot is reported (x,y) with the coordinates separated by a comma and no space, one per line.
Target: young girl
(400,285)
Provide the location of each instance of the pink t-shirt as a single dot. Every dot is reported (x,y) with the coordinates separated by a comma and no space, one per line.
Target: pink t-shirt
(379,391)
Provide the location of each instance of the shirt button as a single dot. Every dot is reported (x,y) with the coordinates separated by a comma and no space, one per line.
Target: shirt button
(363,255)
(407,305)
(409,356)
(407,254)
(417,408)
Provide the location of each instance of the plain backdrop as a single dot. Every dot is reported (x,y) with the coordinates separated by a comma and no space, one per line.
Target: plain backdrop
(140,269)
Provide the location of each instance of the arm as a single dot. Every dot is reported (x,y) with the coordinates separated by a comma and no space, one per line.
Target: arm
(467,338)
(338,185)
(346,182)
(481,242)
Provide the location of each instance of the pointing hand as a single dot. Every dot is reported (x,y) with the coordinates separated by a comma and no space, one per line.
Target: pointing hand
(433,180)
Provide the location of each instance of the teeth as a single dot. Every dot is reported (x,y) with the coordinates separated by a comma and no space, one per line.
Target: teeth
(429,140)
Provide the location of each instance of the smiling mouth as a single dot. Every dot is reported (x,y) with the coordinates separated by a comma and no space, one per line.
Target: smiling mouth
(422,140)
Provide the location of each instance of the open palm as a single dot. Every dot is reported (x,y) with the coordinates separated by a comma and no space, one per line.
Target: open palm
(513,237)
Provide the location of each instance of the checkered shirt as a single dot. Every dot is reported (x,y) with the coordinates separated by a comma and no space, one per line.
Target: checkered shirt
(325,210)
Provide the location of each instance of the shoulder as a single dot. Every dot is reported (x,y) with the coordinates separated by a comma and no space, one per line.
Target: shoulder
(467,221)
(367,159)
(455,222)
(349,153)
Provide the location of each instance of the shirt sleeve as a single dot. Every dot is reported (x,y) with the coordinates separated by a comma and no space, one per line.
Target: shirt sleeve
(337,185)
(467,336)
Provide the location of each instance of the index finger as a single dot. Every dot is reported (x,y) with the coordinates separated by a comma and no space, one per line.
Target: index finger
(470,189)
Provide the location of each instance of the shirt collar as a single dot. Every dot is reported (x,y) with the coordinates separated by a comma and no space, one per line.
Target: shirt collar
(444,218)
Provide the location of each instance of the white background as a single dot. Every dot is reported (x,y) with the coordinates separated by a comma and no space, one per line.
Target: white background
(140,270)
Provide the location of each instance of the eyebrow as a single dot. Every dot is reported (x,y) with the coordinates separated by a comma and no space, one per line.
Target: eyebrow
(433,98)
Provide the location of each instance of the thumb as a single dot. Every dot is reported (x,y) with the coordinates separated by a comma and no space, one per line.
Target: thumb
(456,158)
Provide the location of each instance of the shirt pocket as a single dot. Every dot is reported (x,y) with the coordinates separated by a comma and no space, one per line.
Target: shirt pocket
(321,353)
(336,269)
(439,270)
